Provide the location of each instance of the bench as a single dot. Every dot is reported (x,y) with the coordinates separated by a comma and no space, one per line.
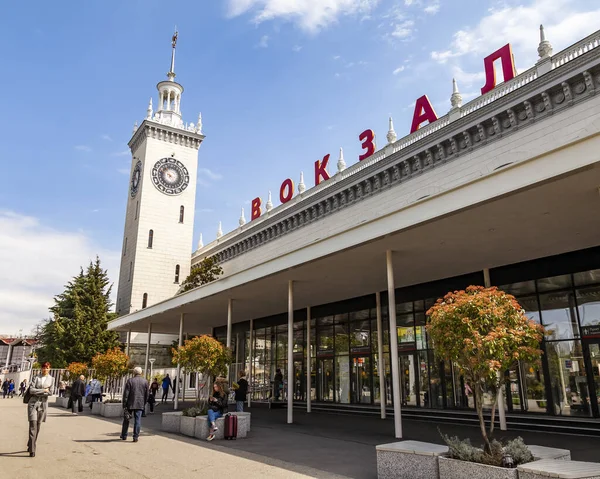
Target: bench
(202,427)
(543,452)
(553,468)
(409,460)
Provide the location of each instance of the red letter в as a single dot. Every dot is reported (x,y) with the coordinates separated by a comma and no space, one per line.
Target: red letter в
(256,209)
(423,112)
(508,67)
(321,170)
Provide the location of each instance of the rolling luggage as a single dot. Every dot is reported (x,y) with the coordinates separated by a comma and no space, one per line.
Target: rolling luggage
(231,426)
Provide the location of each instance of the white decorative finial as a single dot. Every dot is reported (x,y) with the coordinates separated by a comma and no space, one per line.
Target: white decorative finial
(301,185)
(135,127)
(199,125)
(269,205)
(391,135)
(219,231)
(341,164)
(200,242)
(456,98)
(242,218)
(149,110)
(545,48)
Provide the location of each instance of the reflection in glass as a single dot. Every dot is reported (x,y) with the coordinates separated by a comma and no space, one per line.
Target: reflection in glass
(567,374)
(558,315)
(519,289)
(534,390)
(342,337)
(408,379)
(587,277)
(325,375)
(595,360)
(361,380)
(588,303)
(555,282)
(342,379)
(530,305)
(325,340)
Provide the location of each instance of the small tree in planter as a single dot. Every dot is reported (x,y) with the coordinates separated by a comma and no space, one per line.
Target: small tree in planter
(484,331)
(204,355)
(110,368)
(76,369)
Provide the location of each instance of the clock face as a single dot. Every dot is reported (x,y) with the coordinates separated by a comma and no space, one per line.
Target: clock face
(136,178)
(170,176)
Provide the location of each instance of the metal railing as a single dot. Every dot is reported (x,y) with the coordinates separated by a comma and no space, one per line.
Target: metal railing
(576,50)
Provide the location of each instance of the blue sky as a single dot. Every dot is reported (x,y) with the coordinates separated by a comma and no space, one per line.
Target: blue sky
(279,84)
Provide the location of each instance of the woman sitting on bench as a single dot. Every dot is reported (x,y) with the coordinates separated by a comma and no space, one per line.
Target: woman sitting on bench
(217,406)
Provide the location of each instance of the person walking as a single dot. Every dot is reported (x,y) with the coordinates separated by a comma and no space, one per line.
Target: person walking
(241,391)
(11,389)
(37,407)
(166,384)
(23,387)
(95,391)
(4,388)
(135,397)
(217,406)
(278,384)
(62,387)
(77,393)
(154,387)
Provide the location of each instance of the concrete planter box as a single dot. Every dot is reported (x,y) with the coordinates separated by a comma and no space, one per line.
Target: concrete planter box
(543,452)
(171,421)
(112,409)
(62,402)
(553,468)
(97,408)
(455,469)
(187,426)
(409,460)
(202,428)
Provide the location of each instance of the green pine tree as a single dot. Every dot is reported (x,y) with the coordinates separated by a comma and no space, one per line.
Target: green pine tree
(81,312)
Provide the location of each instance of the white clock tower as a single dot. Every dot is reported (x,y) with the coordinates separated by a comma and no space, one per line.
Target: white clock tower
(159,221)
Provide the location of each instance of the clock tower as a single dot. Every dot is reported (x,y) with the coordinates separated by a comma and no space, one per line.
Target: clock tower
(159,221)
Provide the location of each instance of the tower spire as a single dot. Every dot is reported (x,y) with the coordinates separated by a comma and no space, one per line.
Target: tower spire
(171,74)
(391,135)
(456,97)
(544,48)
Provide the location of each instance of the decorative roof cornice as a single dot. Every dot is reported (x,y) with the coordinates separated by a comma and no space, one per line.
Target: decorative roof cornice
(534,100)
(167,133)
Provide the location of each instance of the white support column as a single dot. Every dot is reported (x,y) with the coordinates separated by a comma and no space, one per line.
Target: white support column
(161,101)
(308,361)
(394,344)
(380,361)
(501,403)
(178,385)
(128,345)
(229,308)
(147,349)
(251,362)
(290,358)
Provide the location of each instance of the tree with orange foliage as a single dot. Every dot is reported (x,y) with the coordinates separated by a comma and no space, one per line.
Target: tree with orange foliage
(483,331)
(110,367)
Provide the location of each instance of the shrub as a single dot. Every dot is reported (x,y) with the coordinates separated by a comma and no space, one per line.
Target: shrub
(195,411)
(463,450)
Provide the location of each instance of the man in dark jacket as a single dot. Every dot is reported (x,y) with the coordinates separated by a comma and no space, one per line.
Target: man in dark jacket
(135,397)
(77,393)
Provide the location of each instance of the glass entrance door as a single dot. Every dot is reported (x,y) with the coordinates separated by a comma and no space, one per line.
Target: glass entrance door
(361,380)
(408,379)
(594,352)
(325,379)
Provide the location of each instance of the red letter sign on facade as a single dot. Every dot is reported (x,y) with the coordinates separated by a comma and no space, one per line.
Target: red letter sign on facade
(367,138)
(508,67)
(423,112)
(286,191)
(321,170)
(256,210)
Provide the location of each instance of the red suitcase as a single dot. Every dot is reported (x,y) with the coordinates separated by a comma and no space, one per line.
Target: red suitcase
(231,426)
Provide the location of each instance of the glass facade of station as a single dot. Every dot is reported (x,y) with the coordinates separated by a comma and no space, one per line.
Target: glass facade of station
(344,345)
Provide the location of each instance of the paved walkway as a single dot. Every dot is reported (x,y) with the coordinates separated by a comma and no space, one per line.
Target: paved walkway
(316,445)
(73,446)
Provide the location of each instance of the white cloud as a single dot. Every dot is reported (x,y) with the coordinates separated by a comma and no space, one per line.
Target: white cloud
(400,69)
(124,171)
(122,153)
(310,15)
(337,57)
(106,137)
(209,174)
(432,9)
(85,148)
(264,42)
(464,78)
(37,261)
(403,30)
(564,20)
(296,48)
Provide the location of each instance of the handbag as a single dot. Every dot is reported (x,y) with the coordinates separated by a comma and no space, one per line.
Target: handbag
(27,395)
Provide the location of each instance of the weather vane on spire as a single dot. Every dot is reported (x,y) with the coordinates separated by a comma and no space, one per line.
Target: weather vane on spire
(171,74)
